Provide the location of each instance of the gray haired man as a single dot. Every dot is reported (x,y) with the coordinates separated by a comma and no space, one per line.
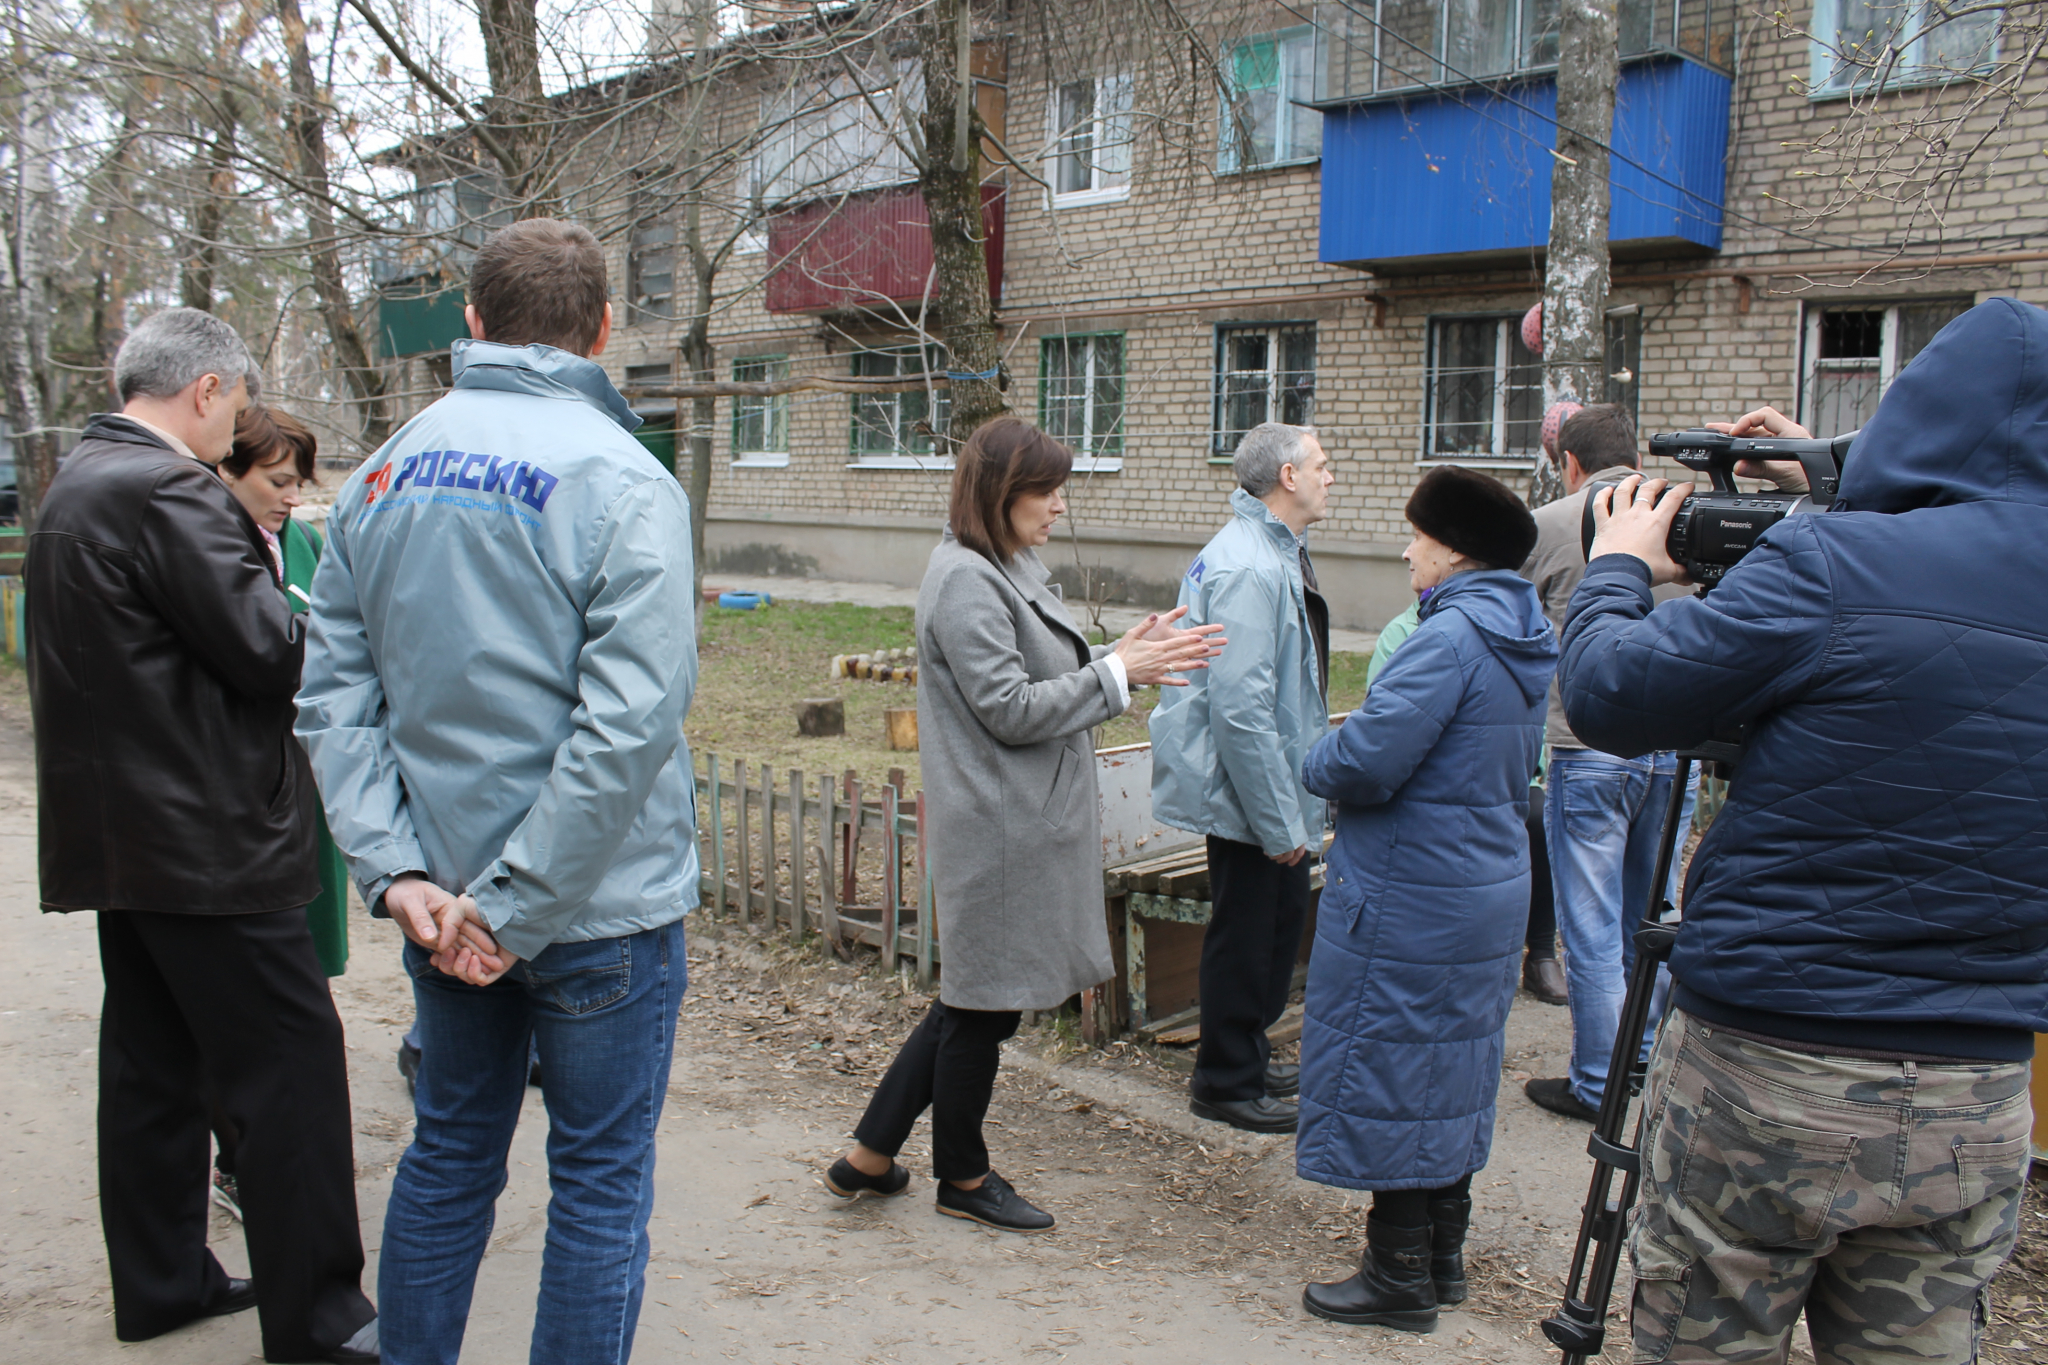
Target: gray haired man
(175,804)
(1226,763)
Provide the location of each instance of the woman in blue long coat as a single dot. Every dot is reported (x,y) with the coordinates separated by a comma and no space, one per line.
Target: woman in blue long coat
(1420,929)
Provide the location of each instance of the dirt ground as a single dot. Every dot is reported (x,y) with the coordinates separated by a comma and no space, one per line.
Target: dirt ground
(1179,1241)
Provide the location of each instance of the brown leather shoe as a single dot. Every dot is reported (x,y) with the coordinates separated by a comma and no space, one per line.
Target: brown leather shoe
(1543,977)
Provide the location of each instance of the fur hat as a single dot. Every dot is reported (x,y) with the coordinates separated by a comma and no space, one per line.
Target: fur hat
(1474,515)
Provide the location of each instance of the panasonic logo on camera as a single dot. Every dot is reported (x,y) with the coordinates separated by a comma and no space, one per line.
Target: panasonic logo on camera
(1738,525)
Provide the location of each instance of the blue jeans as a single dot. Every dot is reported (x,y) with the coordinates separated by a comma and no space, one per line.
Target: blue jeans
(1601,815)
(604,1015)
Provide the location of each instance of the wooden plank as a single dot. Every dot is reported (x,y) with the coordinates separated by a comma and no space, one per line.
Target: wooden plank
(849,886)
(1186,883)
(828,839)
(746,849)
(1172,1023)
(768,896)
(1287,1028)
(797,859)
(926,929)
(892,881)
(717,837)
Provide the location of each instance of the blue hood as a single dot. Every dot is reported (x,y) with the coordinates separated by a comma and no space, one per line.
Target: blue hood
(543,370)
(1504,608)
(1967,421)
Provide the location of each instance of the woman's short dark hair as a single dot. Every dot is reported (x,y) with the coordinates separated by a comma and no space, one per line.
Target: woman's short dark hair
(264,436)
(540,281)
(1005,459)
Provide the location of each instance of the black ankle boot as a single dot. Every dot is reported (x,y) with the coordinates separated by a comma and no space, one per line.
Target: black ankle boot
(1448,1219)
(1392,1287)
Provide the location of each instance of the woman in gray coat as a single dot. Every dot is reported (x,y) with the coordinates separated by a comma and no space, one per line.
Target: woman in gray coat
(1008,691)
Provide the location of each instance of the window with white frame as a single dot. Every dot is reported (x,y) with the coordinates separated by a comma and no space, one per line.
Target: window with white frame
(760,422)
(837,135)
(1260,123)
(1091,140)
(1860,46)
(892,427)
(1264,373)
(1853,351)
(1484,396)
(1081,394)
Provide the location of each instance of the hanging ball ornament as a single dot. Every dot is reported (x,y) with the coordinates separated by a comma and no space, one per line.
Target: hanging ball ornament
(1554,420)
(1532,330)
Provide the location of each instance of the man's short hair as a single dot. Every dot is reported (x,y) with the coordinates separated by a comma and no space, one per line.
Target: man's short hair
(1264,449)
(540,282)
(1601,435)
(167,351)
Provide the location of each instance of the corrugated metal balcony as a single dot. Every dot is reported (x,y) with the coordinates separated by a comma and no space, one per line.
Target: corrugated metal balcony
(1449,177)
(864,251)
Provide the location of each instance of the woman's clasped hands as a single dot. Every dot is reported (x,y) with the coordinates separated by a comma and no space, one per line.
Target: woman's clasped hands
(1154,650)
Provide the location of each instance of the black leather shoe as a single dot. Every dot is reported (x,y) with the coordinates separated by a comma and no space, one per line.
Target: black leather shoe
(239,1298)
(1448,1219)
(1392,1287)
(849,1181)
(1543,977)
(1283,1080)
(360,1349)
(994,1204)
(1556,1095)
(1262,1115)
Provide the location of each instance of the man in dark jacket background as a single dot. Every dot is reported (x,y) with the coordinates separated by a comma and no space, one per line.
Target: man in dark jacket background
(174,801)
(1838,1102)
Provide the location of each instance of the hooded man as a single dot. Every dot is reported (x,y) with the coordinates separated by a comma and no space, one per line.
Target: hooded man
(1838,1102)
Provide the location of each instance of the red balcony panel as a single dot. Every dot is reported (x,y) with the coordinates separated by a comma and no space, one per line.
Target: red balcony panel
(865,250)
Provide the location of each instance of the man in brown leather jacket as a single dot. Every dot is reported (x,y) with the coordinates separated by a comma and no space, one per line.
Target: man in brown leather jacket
(174,801)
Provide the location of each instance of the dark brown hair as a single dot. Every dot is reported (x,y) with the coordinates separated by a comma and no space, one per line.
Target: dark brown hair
(540,281)
(265,436)
(1601,435)
(1005,459)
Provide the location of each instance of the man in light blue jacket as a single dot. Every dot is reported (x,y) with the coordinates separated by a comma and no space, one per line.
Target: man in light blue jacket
(1226,762)
(501,657)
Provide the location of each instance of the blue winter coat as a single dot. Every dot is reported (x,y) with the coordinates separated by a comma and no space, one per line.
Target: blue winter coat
(1427,893)
(1879,876)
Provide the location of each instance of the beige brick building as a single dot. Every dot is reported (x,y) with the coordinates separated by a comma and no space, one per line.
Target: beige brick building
(1170,284)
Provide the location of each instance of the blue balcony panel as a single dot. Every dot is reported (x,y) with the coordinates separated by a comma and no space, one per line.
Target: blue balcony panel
(1451,179)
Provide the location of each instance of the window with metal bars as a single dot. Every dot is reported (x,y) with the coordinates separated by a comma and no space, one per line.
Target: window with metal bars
(1853,351)
(1081,392)
(1264,373)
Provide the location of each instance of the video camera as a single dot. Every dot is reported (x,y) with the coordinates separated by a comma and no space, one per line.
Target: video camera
(1714,530)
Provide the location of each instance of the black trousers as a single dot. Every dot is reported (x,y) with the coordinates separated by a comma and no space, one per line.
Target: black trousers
(1541,938)
(1256,909)
(234,1007)
(947,1065)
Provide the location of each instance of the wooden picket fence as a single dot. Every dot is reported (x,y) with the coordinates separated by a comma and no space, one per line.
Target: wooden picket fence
(819,855)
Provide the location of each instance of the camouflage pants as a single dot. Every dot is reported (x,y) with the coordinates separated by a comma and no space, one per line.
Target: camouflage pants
(1875,1197)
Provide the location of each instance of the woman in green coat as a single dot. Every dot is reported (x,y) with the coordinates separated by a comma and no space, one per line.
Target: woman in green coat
(272,458)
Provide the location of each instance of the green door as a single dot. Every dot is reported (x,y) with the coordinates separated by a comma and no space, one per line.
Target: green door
(658,434)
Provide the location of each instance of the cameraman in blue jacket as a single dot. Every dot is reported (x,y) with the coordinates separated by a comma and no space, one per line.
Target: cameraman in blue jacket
(1838,1113)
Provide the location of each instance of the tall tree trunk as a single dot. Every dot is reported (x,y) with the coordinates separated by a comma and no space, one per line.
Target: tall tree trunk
(519,101)
(1575,268)
(307,133)
(950,183)
(701,360)
(24,287)
(202,258)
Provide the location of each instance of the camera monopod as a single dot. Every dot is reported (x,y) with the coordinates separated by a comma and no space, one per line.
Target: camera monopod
(1579,1327)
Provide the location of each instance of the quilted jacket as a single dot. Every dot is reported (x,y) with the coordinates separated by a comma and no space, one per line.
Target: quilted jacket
(1427,893)
(1879,876)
